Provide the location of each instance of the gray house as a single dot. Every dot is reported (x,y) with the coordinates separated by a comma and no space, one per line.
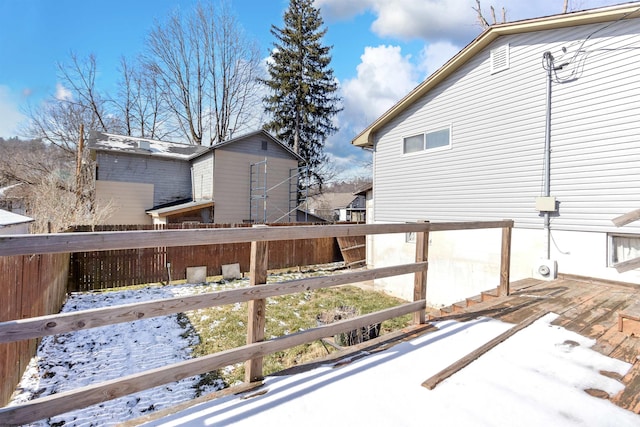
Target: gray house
(535,121)
(244,179)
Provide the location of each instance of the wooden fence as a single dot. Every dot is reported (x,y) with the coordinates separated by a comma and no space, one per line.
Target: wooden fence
(30,286)
(257,347)
(94,270)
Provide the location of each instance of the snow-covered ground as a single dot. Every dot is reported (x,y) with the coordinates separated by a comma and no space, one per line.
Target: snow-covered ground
(537,377)
(72,360)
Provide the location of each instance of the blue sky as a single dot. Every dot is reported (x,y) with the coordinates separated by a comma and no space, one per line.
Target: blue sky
(381,48)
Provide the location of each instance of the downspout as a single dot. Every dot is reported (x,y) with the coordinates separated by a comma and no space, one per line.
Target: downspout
(547,151)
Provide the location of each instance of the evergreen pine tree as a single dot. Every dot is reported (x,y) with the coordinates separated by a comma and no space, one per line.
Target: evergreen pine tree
(302,99)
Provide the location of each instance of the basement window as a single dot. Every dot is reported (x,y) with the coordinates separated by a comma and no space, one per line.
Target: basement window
(500,59)
(623,247)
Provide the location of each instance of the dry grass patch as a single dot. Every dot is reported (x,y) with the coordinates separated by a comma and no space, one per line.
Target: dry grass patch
(222,328)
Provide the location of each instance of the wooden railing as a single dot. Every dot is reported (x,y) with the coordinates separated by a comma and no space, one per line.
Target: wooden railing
(256,347)
(98,270)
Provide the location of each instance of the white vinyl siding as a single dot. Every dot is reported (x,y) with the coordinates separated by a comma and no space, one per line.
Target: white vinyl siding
(202,175)
(495,168)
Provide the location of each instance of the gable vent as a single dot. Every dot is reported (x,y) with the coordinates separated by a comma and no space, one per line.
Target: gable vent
(500,59)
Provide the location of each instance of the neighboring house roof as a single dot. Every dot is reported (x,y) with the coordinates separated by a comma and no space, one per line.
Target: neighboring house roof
(180,208)
(9,218)
(362,191)
(331,201)
(592,16)
(258,132)
(101,141)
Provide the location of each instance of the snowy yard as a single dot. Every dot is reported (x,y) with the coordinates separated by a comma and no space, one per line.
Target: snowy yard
(72,360)
(536,377)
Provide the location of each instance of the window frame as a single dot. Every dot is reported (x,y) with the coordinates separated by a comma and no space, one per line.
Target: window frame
(611,250)
(433,130)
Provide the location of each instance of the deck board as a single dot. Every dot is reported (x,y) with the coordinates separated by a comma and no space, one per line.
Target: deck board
(587,307)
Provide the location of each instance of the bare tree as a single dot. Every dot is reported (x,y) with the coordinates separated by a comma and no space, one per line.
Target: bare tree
(138,103)
(207,69)
(58,119)
(482,20)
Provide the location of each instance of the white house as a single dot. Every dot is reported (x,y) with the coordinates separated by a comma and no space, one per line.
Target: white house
(536,121)
(13,223)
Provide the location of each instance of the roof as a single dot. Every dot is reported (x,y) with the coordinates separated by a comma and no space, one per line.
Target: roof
(331,200)
(262,132)
(101,141)
(592,16)
(180,208)
(364,189)
(9,218)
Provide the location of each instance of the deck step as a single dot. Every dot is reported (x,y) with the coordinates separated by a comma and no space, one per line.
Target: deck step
(474,300)
(490,295)
(445,311)
(459,306)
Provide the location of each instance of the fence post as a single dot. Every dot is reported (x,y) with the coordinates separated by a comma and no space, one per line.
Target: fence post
(420,278)
(256,311)
(505,260)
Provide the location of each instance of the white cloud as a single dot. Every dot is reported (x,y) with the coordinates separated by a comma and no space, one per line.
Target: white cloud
(341,9)
(453,20)
(383,77)
(10,116)
(435,55)
(62,93)
(409,19)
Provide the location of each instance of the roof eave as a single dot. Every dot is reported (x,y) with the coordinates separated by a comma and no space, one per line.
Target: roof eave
(632,10)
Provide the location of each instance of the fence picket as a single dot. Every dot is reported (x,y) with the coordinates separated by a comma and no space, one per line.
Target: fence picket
(97,270)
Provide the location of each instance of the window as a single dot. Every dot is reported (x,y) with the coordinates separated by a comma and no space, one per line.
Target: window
(414,143)
(440,138)
(264,145)
(623,247)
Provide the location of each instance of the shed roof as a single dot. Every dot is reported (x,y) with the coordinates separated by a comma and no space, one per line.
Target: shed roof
(592,16)
(9,218)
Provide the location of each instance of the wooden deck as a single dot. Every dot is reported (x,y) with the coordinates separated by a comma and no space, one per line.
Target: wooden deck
(587,307)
